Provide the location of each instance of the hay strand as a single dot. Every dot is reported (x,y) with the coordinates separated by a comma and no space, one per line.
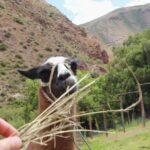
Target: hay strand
(57,117)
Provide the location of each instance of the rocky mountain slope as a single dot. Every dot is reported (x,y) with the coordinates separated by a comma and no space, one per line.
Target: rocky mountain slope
(116,26)
(32,31)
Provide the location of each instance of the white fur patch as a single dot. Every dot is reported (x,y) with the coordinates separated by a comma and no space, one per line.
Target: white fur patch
(60,62)
(56,60)
(62,69)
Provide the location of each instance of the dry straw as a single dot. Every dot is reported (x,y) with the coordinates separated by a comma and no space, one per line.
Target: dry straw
(57,117)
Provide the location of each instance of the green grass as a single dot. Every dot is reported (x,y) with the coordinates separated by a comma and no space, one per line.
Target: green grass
(13,114)
(136,138)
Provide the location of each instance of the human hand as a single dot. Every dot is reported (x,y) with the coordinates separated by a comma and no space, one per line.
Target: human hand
(12,141)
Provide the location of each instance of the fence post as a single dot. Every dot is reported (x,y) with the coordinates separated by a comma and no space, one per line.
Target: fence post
(122,115)
(143,113)
(133,114)
(128,114)
(105,119)
(90,126)
(113,120)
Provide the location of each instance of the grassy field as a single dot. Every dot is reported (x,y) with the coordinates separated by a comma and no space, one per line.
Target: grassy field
(135,138)
(15,113)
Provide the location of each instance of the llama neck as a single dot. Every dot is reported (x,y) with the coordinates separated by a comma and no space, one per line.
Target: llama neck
(61,143)
(43,102)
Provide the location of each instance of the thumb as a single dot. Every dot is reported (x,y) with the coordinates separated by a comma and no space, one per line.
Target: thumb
(10,143)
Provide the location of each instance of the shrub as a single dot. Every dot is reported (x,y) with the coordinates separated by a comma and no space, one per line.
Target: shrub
(36,50)
(25,47)
(31,100)
(57,49)
(7,35)
(3,47)
(50,14)
(2,72)
(21,43)
(36,43)
(40,55)
(18,20)
(2,64)
(48,49)
(32,33)
(1,7)
(18,56)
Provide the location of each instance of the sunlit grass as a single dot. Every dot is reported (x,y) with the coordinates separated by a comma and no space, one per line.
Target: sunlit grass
(135,138)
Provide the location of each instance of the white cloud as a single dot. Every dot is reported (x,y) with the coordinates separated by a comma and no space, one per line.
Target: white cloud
(87,10)
(138,2)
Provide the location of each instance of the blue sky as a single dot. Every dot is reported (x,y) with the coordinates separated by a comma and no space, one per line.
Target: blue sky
(81,11)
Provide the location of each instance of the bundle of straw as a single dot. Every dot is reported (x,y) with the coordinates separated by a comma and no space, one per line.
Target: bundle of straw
(56,117)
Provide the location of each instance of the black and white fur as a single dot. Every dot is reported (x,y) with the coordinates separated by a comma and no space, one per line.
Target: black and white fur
(63,76)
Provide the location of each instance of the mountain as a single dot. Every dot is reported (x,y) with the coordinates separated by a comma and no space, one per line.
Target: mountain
(32,31)
(115,27)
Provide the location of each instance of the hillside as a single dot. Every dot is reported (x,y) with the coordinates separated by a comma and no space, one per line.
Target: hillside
(32,31)
(116,26)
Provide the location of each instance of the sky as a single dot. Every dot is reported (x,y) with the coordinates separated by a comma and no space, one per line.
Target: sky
(82,11)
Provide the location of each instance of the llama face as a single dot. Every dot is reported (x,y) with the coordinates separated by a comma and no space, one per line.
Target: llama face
(64,75)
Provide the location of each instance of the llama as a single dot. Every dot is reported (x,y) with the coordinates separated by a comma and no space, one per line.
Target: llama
(64,75)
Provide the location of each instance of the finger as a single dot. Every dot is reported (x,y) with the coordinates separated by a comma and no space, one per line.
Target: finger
(6,129)
(11,143)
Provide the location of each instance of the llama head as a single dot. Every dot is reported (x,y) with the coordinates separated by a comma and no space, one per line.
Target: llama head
(64,74)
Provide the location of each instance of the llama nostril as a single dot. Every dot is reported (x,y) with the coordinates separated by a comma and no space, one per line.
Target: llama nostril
(64,76)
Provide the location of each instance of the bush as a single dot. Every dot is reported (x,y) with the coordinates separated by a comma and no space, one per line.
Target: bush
(48,49)
(50,14)
(2,7)
(40,55)
(19,21)
(18,56)
(36,43)
(25,47)
(3,64)
(31,100)
(2,72)
(35,49)
(7,35)
(3,47)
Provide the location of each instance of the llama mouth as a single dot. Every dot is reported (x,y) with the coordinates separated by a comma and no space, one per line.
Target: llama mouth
(61,87)
(69,84)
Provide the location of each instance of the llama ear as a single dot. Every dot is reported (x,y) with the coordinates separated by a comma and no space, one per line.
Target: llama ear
(31,73)
(74,66)
(42,72)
